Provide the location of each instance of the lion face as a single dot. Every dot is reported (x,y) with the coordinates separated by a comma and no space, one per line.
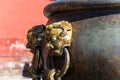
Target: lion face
(58,36)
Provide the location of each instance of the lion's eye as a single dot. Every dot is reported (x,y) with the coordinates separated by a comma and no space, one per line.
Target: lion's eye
(53,38)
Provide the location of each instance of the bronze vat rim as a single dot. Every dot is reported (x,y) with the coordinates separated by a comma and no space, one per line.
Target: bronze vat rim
(61,7)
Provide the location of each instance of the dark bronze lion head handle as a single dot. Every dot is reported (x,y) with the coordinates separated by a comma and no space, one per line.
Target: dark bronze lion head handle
(36,42)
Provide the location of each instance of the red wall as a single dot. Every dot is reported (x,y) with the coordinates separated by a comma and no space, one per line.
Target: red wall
(16,17)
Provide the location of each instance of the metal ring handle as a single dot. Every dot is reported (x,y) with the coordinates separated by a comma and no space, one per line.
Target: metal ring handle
(37,63)
(66,66)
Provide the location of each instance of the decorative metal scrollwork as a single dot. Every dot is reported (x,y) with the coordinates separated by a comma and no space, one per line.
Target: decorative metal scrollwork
(36,40)
(58,36)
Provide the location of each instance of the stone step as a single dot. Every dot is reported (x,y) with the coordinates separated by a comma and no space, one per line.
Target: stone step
(16,77)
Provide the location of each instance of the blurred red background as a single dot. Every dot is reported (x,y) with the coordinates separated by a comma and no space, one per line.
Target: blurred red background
(16,18)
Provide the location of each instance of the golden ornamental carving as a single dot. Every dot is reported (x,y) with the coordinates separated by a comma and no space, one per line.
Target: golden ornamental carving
(58,36)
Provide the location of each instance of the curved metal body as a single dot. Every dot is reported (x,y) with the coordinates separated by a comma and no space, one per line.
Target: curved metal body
(95,44)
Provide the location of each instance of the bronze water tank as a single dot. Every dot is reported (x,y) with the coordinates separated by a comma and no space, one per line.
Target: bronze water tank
(95,46)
